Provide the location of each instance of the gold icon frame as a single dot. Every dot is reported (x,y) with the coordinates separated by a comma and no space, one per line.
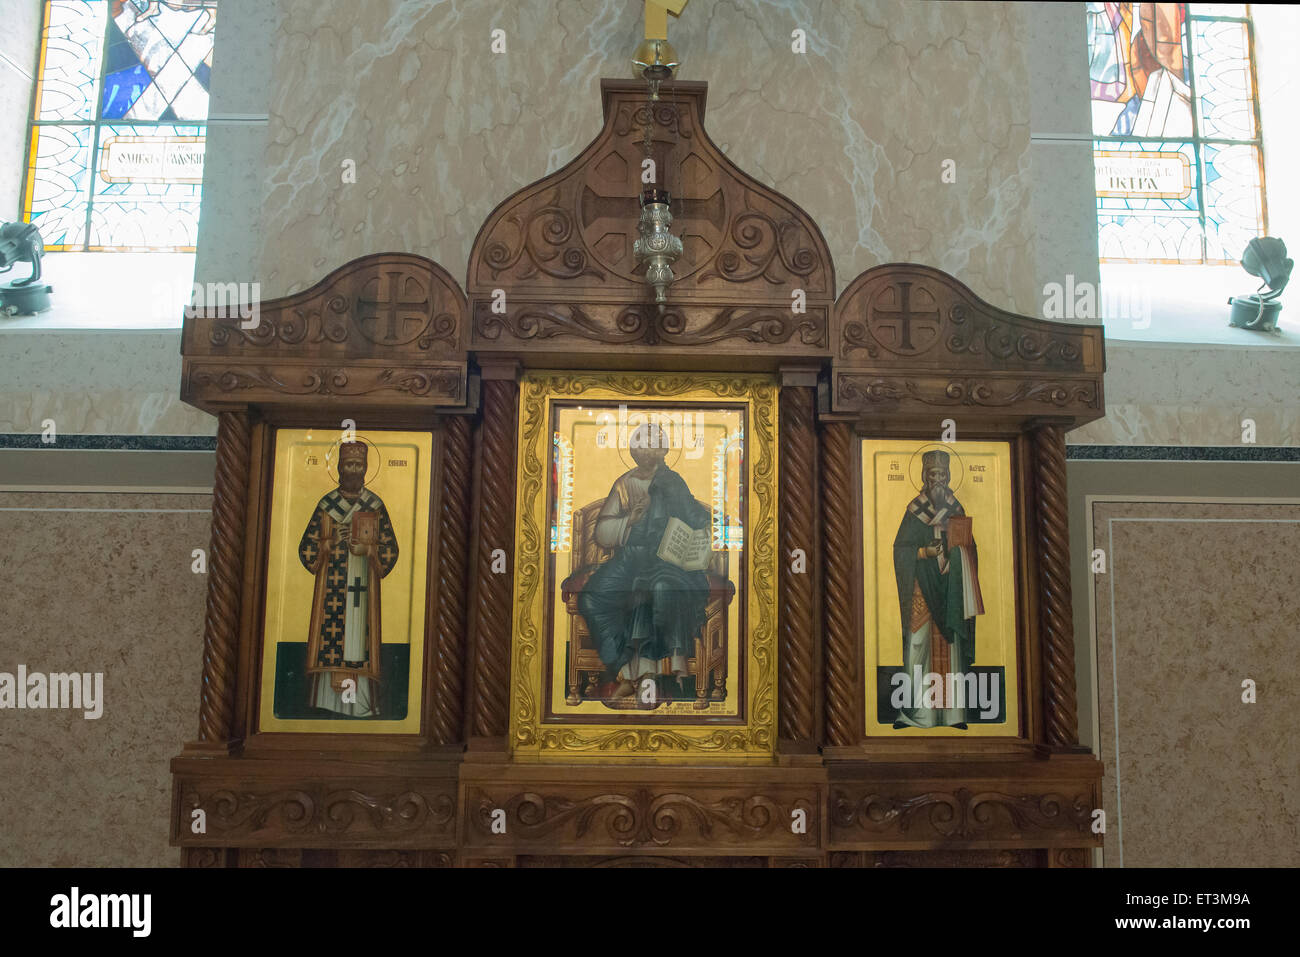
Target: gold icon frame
(533,736)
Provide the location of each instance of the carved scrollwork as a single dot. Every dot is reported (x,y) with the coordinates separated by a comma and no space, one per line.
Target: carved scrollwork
(642,818)
(319,810)
(953,857)
(396,308)
(762,242)
(865,391)
(651,326)
(985,335)
(631,119)
(912,311)
(543,241)
(962,814)
(328,381)
(384,303)
(561,250)
(855,336)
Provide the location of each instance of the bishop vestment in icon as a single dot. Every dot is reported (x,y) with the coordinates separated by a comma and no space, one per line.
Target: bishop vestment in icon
(349,545)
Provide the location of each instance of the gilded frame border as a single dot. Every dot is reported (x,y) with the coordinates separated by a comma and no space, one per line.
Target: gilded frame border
(532,738)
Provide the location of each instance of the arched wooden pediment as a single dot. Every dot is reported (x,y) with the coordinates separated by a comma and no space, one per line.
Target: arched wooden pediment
(556,257)
(911,339)
(379,330)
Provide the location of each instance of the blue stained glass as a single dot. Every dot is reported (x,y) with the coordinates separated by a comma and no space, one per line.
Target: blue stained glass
(122,89)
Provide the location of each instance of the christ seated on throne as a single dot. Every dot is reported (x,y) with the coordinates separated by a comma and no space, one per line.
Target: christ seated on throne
(644,614)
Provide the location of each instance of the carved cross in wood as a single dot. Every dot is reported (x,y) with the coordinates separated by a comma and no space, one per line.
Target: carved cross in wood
(391,310)
(898,322)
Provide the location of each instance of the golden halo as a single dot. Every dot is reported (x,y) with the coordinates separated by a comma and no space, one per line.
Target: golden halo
(669,461)
(960,470)
(372,459)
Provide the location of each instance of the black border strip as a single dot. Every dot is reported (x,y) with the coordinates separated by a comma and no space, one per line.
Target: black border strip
(1183,453)
(113,443)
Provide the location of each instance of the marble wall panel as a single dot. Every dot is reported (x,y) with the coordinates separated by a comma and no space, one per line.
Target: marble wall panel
(1184,395)
(855,130)
(104,584)
(101,382)
(1192,604)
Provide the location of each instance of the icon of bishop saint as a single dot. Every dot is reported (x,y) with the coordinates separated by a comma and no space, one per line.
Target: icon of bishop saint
(349,546)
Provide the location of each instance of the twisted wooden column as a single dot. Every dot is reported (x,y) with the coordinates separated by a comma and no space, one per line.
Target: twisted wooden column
(496,530)
(1056,618)
(453,562)
(225,573)
(838,585)
(796,692)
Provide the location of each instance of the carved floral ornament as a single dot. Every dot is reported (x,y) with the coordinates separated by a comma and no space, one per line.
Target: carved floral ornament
(555,261)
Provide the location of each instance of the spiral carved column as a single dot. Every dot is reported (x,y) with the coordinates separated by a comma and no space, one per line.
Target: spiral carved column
(839,588)
(453,561)
(1056,618)
(225,572)
(796,692)
(496,530)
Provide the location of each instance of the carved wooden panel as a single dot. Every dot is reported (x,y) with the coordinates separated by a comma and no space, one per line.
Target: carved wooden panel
(912,339)
(560,250)
(1009,806)
(611,811)
(657,860)
(243,808)
(383,329)
(631,817)
(940,858)
(351,857)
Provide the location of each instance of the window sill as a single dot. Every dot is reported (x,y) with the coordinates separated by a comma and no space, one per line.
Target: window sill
(1188,305)
(117,291)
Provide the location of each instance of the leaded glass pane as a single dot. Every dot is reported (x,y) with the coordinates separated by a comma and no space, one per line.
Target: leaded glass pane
(1138,69)
(1224,92)
(158,61)
(1174,184)
(1148,201)
(69,65)
(1146,176)
(58,184)
(1149,239)
(1217,9)
(1234,202)
(133,183)
(147,186)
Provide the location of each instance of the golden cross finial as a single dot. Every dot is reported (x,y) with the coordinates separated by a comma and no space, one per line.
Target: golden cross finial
(656,16)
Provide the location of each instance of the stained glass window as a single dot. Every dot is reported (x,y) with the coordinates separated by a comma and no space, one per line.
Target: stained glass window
(1175,121)
(118,124)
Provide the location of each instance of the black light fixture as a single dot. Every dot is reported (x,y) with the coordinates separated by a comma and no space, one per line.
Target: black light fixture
(1264,257)
(21,242)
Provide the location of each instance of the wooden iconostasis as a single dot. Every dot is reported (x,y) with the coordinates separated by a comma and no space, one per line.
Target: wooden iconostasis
(535,571)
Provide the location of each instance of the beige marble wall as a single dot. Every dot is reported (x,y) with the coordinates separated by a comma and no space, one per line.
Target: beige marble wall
(855,130)
(104,585)
(1187,395)
(1192,604)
